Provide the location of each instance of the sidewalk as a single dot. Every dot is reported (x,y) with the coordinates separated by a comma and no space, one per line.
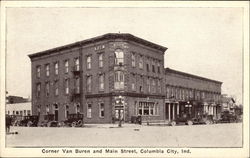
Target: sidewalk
(115,125)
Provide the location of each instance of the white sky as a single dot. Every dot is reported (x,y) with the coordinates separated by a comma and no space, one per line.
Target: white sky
(200,41)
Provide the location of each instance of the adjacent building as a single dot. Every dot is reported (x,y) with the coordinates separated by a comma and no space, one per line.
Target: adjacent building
(187,93)
(116,76)
(16,105)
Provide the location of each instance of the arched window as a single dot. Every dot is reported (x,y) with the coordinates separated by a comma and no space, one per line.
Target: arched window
(119,57)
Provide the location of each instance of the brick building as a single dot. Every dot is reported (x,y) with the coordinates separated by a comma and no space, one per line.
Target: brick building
(116,75)
(187,93)
(106,77)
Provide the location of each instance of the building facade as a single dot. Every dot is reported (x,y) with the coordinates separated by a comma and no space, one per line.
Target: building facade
(19,106)
(187,93)
(106,78)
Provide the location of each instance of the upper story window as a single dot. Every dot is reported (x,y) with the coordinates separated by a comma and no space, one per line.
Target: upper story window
(119,57)
(38,89)
(56,87)
(153,66)
(77,65)
(88,62)
(56,68)
(148,84)
(101,82)
(158,67)
(153,86)
(159,86)
(89,82)
(38,71)
(77,85)
(133,59)
(47,87)
(66,86)
(140,62)
(147,66)
(141,84)
(168,92)
(66,66)
(119,80)
(133,82)
(47,69)
(100,57)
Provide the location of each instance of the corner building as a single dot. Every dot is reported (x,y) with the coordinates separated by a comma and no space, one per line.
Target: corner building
(106,77)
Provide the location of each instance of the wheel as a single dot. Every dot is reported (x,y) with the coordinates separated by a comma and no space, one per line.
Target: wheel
(173,123)
(190,123)
(207,122)
(29,124)
(73,124)
(79,123)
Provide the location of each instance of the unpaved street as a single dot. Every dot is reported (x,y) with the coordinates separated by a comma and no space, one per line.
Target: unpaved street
(216,135)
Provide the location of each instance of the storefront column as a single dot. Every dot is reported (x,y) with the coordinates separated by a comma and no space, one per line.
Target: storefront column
(178,108)
(173,110)
(169,112)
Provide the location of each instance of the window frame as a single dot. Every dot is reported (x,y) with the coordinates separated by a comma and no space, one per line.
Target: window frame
(101,110)
(89,62)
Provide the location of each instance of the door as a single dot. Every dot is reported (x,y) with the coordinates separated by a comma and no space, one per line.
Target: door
(56,115)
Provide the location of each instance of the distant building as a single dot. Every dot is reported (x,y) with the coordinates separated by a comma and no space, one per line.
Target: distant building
(228,103)
(187,93)
(16,105)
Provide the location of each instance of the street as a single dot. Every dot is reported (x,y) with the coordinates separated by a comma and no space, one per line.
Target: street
(110,135)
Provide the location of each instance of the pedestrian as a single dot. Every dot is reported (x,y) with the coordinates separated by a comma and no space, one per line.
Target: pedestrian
(7,124)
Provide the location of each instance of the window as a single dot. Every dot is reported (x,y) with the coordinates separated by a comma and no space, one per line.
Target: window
(159,86)
(21,113)
(77,85)
(77,109)
(89,111)
(13,112)
(17,112)
(168,92)
(147,108)
(56,87)
(153,66)
(38,71)
(66,66)
(141,84)
(56,68)
(47,109)
(100,60)
(47,89)
(158,67)
(24,112)
(153,86)
(119,57)
(203,95)
(28,112)
(47,69)
(119,80)
(89,84)
(88,62)
(133,80)
(101,110)
(38,89)
(148,84)
(140,63)
(101,82)
(66,111)
(147,65)
(77,66)
(67,86)
(133,59)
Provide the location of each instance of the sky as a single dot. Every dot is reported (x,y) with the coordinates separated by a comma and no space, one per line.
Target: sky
(201,41)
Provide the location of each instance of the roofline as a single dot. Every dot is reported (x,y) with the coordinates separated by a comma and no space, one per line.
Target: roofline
(126,36)
(191,75)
